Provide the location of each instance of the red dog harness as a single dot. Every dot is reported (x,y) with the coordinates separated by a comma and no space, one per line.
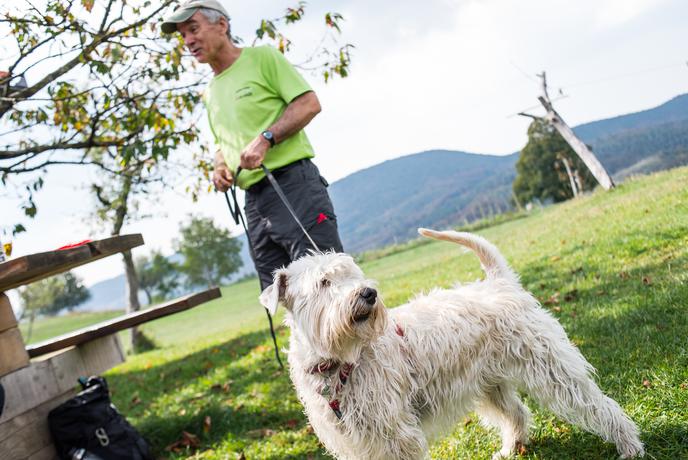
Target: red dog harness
(333,382)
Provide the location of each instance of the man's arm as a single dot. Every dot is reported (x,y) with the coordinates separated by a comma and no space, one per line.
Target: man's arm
(296,116)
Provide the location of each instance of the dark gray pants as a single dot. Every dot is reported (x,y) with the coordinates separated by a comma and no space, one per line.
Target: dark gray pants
(276,238)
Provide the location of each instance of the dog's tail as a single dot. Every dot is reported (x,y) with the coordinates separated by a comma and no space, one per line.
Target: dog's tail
(492,261)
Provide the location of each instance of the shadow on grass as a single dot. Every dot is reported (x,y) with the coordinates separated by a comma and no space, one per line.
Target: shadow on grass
(666,442)
(237,386)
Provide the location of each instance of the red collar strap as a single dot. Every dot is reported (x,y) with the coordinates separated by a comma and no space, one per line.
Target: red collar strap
(332,387)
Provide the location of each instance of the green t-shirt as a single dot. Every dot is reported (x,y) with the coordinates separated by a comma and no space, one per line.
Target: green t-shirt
(246,99)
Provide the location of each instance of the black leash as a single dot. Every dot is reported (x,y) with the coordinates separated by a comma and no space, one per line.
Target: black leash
(238,216)
(283,197)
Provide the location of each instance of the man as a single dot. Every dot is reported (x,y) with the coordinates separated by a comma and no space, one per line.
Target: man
(258,105)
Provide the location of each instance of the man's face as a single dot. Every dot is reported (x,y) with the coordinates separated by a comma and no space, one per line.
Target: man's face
(202,38)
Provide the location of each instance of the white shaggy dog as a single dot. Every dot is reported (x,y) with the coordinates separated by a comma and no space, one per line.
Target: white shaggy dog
(381,384)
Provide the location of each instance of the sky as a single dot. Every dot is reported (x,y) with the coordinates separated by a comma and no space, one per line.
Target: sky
(437,74)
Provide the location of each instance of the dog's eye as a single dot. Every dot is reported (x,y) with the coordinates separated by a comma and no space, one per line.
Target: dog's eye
(325,282)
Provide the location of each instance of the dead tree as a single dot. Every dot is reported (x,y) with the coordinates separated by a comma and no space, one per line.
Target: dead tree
(570,137)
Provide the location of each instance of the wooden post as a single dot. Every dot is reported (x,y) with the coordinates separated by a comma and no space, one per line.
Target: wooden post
(576,144)
(13,353)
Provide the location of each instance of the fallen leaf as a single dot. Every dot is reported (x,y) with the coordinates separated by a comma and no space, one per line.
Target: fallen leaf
(135,400)
(225,387)
(187,440)
(521,449)
(556,309)
(191,439)
(624,275)
(683,386)
(646,383)
(571,295)
(207,423)
(647,281)
(553,299)
(292,423)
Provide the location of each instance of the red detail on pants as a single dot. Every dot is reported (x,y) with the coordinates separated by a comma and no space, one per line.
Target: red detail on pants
(321,217)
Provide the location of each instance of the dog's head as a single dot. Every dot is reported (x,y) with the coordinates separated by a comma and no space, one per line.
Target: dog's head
(330,304)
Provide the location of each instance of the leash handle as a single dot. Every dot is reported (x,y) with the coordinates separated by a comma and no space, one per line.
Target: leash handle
(286,203)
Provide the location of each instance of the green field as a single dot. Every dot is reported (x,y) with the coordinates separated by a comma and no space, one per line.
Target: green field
(612,267)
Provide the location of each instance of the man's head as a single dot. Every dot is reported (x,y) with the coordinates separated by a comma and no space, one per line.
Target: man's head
(204,26)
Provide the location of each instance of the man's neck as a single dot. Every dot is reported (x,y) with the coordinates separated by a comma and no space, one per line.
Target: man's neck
(225,59)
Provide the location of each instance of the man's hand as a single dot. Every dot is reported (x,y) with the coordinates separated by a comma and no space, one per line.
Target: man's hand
(222,178)
(254,153)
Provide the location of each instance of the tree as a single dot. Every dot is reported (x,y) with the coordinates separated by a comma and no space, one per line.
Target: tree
(96,83)
(158,277)
(52,295)
(541,170)
(210,253)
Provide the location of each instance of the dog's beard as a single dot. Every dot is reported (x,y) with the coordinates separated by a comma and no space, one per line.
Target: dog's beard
(355,325)
(339,330)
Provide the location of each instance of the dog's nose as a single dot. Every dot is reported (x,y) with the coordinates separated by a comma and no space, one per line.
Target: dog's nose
(369,295)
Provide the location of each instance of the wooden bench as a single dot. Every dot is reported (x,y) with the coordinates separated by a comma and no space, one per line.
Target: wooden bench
(37,378)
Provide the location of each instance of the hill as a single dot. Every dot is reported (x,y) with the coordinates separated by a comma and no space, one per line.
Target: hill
(383,204)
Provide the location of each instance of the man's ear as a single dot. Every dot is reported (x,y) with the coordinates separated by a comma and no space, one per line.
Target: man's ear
(274,294)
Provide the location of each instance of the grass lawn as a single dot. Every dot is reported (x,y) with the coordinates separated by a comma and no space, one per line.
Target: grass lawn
(612,267)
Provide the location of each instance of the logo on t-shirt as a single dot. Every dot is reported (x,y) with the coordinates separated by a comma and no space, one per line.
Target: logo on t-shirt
(243,92)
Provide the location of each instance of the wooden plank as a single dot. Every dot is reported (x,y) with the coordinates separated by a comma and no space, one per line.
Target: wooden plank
(10,427)
(26,441)
(7,318)
(123,322)
(13,355)
(57,374)
(23,424)
(102,354)
(27,269)
(27,388)
(68,365)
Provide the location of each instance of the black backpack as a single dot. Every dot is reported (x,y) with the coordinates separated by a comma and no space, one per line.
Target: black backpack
(89,427)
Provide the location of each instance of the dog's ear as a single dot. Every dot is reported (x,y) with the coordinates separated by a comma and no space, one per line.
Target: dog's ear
(274,294)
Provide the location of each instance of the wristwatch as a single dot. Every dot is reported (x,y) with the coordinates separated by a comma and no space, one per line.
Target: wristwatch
(269,137)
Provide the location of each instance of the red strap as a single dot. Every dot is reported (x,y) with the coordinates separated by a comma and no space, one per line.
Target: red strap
(74,245)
